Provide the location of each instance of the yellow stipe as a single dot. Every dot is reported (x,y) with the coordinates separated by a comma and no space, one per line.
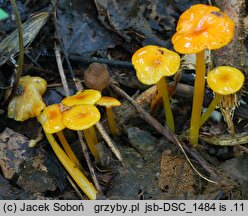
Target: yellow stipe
(68,149)
(210,108)
(197,98)
(93,134)
(90,143)
(86,186)
(111,121)
(163,90)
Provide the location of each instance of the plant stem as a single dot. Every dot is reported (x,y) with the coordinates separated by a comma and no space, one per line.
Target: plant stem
(90,143)
(61,69)
(210,108)
(68,149)
(75,173)
(111,121)
(80,134)
(197,98)
(163,90)
(21,54)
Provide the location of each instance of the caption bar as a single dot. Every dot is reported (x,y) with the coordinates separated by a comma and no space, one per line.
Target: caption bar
(121,207)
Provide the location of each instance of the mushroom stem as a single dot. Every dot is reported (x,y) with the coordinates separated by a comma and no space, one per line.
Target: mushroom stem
(90,143)
(197,98)
(93,134)
(210,108)
(68,149)
(111,121)
(163,90)
(86,186)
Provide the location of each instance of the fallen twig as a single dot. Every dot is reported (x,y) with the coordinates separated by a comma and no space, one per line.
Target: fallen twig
(108,140)
(169,135)
(226,139)
(83,144)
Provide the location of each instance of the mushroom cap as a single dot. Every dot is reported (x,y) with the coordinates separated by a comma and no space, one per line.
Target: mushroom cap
(29,103)
(51,119)
(153,62)
(81,117)
(202,27)
(88,96)
(97,76)
(108,102)
(225,80)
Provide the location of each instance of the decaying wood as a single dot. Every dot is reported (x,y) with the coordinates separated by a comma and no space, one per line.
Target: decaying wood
(127,111)
(234,54)
(226,140)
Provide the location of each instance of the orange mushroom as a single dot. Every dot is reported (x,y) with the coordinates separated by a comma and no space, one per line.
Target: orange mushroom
(109,103)
(51,120)
(201,27)
(88,96)
(82,117)
(152,65)
(30,104)
(223,80)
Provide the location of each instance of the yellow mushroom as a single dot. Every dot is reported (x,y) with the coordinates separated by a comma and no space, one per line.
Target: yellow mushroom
(51,120)
(83,117)
(109,103)
(201,27)
(30,104)
(88,96)
(223,80)
(152,65)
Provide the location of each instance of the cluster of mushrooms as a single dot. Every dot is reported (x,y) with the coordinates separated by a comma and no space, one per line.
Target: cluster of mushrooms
(200,27)
(76,112)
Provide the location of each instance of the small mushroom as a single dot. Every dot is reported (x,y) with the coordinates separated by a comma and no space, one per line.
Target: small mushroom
(83,117)
(88,96)
(152,65)
(51,120)
(223,80)
(109,103)
(97,76)
(201,27)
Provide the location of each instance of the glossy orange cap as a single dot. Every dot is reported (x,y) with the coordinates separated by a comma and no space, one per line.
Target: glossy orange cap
(152,63)
(202,27)
(81,117)
(225,80)
(51,119)
(88,96)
